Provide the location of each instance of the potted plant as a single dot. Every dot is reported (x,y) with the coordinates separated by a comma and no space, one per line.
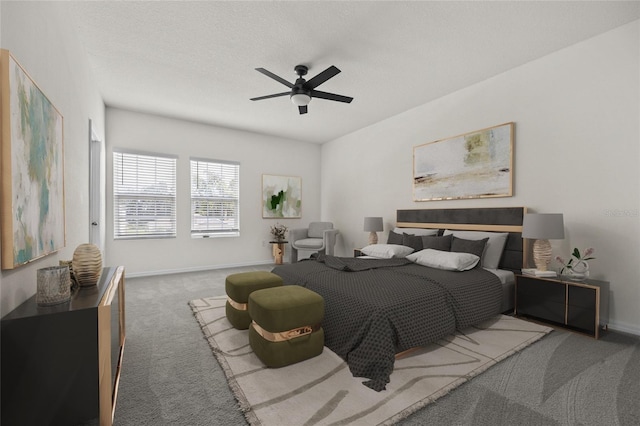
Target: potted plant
(278,232)
(577,267)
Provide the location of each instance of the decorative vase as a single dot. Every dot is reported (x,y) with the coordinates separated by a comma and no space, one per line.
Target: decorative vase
(54,286)
(579,271)
(87,264)
(69,264)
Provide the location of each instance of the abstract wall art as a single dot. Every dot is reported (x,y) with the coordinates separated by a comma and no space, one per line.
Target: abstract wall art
(478,164)
(281,196)
(32,195)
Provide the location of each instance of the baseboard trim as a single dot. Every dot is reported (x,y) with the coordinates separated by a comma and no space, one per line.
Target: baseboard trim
(624,328)
(196,269)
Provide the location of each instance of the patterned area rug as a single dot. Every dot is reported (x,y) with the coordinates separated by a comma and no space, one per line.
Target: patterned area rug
(322,391)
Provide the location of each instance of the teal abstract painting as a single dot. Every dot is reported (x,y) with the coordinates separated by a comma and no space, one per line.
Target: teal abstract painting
(33,223)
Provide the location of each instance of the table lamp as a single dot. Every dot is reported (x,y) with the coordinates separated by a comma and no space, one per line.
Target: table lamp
(373,225)
(542,227)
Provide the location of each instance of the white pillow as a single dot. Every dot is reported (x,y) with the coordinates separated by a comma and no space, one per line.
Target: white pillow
(447,260)
(492,250)
(386,251)
(415,231)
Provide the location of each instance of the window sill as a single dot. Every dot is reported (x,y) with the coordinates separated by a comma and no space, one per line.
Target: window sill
(216,235)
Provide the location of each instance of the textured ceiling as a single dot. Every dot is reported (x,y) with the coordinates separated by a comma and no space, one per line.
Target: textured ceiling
(196,60)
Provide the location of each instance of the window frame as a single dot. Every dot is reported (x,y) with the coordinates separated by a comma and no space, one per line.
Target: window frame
(145,176)
(223,230)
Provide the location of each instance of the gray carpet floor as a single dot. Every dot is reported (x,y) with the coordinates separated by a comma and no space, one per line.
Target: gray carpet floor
(170,376)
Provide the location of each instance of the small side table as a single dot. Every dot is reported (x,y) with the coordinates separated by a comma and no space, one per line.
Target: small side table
(577,305)
(278,250)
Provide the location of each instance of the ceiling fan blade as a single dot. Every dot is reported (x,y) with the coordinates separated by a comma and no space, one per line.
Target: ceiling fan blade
(322,77)
(302,109)
(271,96)
(275,77)
(330,96)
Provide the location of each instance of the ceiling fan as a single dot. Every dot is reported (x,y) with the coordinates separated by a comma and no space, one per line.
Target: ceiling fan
(302,90)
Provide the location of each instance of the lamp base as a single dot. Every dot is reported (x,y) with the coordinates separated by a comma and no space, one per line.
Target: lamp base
(373,238)
(541,254)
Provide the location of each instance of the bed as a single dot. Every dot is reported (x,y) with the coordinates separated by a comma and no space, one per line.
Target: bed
(377,308)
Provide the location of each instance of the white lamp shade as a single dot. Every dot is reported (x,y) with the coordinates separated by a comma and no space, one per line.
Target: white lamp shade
(543,226)
(373,224)
(300,99)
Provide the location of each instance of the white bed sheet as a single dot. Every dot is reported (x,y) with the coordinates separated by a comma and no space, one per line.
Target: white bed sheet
(506,277)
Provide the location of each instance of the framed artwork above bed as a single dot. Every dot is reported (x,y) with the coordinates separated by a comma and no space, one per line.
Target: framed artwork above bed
(477,164)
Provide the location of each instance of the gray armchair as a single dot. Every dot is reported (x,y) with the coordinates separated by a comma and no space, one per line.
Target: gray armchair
(318,237)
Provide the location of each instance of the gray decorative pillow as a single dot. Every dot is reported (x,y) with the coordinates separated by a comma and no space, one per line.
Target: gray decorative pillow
(476,247)
(437,243)
(394,238)
(413,241)
(492,251)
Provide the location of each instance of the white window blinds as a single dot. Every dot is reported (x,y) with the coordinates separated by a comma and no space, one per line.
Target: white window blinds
(215,197)
(144,195)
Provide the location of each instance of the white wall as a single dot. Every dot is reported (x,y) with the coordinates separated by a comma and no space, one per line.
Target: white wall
(50,53)
(257,154)
(577,139)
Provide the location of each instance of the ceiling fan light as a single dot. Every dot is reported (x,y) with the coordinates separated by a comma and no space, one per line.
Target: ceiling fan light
(300,99)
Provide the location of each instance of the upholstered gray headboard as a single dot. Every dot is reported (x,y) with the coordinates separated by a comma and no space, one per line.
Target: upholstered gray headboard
(497,219)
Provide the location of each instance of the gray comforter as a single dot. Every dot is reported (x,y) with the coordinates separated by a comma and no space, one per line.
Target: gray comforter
(376,308)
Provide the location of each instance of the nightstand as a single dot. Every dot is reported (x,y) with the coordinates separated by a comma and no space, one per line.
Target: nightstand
(581,306)
(278,251)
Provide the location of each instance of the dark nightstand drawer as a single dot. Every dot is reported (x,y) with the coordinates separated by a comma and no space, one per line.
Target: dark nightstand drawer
(581,319)
(548,311)
(541,290)
(582,296)
(580,306)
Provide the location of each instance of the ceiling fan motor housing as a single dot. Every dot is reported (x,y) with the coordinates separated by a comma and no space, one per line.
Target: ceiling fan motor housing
(301,70)
(298,88)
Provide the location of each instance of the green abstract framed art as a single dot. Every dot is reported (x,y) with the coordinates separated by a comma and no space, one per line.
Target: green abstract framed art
(281,196)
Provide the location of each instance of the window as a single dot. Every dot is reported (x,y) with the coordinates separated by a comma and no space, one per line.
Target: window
(144,195)
(215,197)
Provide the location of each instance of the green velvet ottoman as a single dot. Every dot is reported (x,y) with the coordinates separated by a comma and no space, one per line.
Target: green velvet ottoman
(239,287)
(286,325)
